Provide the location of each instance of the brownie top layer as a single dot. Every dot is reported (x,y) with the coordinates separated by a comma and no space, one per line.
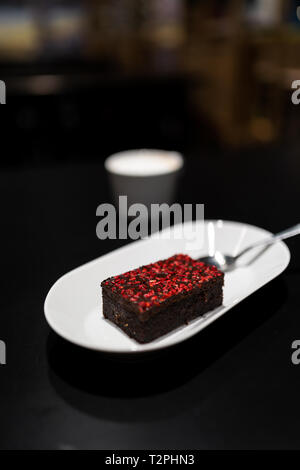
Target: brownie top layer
(151,285)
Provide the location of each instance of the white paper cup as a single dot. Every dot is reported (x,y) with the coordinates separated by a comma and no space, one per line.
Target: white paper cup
(144,176)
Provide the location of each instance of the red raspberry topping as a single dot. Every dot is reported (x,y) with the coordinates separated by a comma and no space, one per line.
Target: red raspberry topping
(153,284)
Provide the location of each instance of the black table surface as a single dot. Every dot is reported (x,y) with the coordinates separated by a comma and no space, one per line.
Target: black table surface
(232,386)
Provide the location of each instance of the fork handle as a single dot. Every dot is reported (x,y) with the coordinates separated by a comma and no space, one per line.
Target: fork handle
(289,232)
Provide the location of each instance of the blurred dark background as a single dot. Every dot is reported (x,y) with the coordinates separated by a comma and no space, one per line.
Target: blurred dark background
(91,77)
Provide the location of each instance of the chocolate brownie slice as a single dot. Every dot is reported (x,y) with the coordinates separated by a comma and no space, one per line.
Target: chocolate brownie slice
(152,300)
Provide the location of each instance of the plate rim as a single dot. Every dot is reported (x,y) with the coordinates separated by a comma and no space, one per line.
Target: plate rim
(153,347)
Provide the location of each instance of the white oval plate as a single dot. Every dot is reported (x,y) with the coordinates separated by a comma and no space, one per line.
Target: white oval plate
(73,307)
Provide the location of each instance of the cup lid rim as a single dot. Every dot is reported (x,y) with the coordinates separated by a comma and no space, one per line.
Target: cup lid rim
(108,164)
